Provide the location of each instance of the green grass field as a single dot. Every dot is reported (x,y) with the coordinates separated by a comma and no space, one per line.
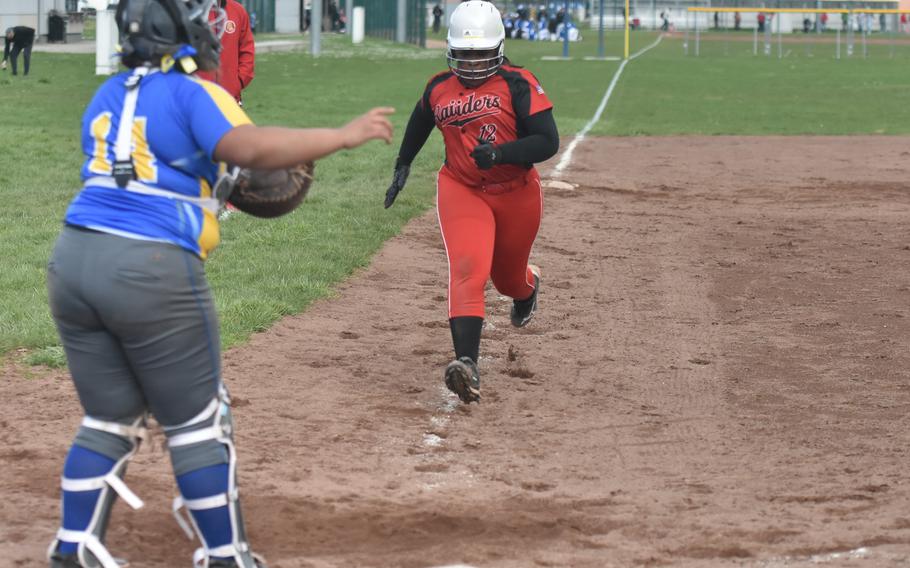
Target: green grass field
(665,92)
(265,270)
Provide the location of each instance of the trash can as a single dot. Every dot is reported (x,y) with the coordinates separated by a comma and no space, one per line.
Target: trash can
(56,27)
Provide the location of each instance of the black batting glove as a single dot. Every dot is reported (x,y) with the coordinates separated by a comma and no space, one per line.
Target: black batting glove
(399,178)
(486,155)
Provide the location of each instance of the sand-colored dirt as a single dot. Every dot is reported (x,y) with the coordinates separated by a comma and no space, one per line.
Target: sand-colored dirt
(718,376)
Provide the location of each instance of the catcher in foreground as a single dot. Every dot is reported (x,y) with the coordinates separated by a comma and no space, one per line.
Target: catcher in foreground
(126,283)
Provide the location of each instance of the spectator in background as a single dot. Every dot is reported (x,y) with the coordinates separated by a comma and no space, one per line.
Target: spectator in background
(882,23)
(716,21)
(843,20)
(253,19)
(823,18)
(238,52)
(737,21)
(551,25)
(437,17)
(18,39)
(342,21)
(904,23)
(761,21)
(333,15)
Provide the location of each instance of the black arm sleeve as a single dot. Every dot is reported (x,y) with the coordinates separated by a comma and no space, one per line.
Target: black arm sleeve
(419,128)
(541,141)
(6,50)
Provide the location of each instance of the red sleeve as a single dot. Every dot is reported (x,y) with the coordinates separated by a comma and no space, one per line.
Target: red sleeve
(247,55)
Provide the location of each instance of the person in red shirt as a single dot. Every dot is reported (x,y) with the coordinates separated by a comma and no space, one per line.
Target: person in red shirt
(496,123)
(238,52)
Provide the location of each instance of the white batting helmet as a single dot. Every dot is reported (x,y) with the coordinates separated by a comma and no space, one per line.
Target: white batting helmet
(475,26)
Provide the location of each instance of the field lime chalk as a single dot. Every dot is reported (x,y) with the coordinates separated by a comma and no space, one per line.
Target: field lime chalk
(567,156)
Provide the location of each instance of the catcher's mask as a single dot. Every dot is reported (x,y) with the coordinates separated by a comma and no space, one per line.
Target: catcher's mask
(151,29)
(475,43)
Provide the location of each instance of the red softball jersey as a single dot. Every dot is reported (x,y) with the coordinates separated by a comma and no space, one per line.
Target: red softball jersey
(494,112)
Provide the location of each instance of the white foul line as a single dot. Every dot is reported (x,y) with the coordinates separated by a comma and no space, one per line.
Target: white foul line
(567,155)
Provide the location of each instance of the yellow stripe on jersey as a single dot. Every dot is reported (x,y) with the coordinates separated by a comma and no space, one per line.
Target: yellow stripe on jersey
(210,235)
(143,160)
(225,103)
(100,129)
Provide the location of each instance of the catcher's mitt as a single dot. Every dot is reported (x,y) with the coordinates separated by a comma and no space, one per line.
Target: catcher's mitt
(271,193)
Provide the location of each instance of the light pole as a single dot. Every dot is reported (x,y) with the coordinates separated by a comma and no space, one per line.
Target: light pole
(316,28)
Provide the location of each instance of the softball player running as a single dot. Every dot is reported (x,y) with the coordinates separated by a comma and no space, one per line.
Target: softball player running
(126,283)
(496,122)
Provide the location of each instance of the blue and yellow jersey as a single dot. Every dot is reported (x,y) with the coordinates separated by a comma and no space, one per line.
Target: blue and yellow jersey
(178,122)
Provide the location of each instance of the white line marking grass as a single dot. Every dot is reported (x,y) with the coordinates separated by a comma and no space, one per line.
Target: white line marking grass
(567,155)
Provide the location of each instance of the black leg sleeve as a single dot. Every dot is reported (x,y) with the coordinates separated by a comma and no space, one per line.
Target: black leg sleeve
(466,336)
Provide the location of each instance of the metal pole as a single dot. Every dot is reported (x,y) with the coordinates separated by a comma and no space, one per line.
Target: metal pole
(838,44)
(401,31)
(755,40)
(686,41)
(818,16)
(767,26)
(348,13)
(628,17)
(849,34)
(316,28)
(565,30)
(865,33)
(601,48)
(780,43)
(697,36)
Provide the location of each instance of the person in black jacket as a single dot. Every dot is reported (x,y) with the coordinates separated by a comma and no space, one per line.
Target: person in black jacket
(19,38)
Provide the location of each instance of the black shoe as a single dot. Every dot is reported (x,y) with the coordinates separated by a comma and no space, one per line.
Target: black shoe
(523,310)
(231,563)
(61,560)
(463,379)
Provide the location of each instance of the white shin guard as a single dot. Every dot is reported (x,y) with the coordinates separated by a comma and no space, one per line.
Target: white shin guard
(91,550)
(215,424)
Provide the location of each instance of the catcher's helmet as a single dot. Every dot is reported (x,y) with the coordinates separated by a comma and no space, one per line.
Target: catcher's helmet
(150,29)
(475,26)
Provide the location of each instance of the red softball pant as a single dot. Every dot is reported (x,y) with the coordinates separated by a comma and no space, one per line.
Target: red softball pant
(487,234)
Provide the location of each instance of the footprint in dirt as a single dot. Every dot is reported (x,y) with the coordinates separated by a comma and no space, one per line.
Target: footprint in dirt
(515,367)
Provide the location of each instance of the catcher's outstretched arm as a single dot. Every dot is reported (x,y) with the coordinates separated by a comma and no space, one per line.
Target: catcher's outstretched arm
(272,147)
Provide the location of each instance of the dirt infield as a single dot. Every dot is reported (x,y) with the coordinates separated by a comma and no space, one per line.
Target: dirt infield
(718,376)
